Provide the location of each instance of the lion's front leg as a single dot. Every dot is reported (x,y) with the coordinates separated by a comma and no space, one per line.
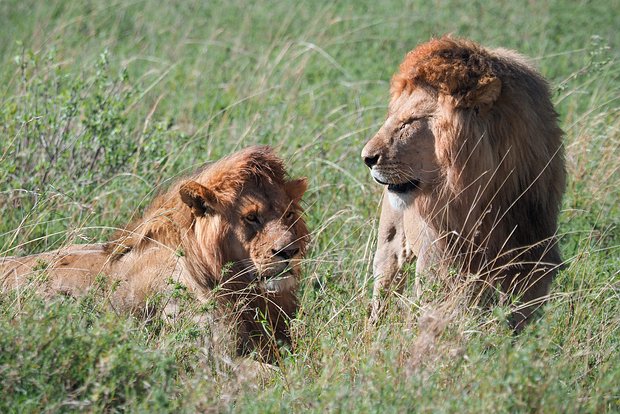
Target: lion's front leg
(420,244)
(390,256)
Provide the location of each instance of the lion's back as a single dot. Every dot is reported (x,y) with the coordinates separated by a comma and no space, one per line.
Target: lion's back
(69,270)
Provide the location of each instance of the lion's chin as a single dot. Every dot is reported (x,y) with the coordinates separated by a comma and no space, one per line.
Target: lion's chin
(399,195)
(404,188)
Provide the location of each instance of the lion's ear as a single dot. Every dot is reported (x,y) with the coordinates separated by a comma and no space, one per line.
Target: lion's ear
(484,95)
(296,188)
(198,197)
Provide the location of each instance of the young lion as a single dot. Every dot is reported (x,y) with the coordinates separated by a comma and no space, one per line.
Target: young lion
(472,159)
(232,232)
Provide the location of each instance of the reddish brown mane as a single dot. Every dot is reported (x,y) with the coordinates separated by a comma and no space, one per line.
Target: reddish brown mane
(451,66)
(229,175)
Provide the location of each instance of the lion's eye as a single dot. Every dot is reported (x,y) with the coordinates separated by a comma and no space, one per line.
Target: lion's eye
(251,218)
(290,215)
(411,120)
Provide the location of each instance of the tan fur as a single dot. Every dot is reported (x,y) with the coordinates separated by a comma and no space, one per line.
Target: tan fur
(476,131)
(232,232)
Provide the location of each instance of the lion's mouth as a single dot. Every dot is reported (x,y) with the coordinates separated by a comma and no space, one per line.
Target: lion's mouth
(282,283)
(273,271)
(405,187)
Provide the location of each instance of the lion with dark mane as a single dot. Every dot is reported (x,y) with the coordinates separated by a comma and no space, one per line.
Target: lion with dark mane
(233,232)
(472,161)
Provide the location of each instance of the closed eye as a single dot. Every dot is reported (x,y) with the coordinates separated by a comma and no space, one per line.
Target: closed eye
(415,118)
(411,120)
(290,215)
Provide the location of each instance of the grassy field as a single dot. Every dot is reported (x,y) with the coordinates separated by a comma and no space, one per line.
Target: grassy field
(104,102)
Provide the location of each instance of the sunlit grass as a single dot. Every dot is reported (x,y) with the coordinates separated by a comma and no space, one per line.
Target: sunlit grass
(103,103)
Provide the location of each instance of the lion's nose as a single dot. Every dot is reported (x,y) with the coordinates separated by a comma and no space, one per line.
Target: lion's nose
(287,253)
(371,160)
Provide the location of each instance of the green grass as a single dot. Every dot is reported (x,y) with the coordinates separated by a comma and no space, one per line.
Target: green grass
(103,102)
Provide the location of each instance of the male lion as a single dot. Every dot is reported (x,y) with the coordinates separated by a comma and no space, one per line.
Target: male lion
(233,231)
(472,159)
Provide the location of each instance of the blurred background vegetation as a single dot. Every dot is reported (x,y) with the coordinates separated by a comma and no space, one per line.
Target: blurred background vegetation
(103,103)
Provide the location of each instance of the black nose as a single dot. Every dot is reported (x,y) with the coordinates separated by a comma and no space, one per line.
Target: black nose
(371,160)
(286,253)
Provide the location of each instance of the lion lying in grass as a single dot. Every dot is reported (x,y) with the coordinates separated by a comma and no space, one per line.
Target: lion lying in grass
(472,161)
(233,232)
